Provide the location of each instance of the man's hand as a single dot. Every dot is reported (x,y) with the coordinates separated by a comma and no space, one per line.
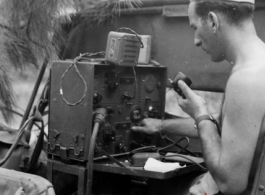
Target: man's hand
(193,105)
(149,126)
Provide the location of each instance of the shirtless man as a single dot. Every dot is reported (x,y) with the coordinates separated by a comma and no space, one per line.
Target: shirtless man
(224,29)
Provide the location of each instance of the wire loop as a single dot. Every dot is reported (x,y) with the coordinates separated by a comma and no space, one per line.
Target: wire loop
(132,31)
(74,64)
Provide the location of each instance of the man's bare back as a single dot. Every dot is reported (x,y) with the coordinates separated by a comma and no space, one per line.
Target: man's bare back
(243,112)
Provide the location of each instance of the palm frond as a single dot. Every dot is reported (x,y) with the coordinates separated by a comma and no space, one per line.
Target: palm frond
(26,29)
(100,10)
(31,26)
(6,94)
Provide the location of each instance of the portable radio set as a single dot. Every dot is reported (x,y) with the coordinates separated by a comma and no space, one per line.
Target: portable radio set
(125,91)
(128,92)
(94,103)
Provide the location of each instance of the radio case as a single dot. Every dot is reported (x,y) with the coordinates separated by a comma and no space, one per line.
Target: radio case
(122,49)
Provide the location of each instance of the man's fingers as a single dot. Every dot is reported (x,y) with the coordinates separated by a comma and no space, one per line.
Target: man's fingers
(140,129)
(137,128)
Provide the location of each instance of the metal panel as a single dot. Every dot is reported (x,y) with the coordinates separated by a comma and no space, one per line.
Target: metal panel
(70,126)
(127,95)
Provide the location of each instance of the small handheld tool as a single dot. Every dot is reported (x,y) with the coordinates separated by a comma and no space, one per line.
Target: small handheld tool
(180,76)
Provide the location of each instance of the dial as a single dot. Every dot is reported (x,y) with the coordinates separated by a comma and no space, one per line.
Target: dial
(109,133)
(149,83)
(136,114)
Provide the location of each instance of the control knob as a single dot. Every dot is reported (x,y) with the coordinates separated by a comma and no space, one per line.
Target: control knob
(109,133)
(97,98)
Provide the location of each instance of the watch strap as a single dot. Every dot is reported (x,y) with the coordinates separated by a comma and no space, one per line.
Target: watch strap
(207,117)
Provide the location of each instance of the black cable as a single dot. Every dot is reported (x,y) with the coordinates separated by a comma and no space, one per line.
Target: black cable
(142,149)
(186,146)
(168,146)
(146,148)
(13,146)
(179,146)
(176,143)
(112,155)
(135,85)
(99,119)
(179,155)
(187,158)
(164,157)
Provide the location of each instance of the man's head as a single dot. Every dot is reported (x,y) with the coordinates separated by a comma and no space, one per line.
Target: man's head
(234,11)
(208,16)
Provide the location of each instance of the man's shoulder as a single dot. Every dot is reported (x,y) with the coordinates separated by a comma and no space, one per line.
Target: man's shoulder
(247,82)
(245,92)
(252,72)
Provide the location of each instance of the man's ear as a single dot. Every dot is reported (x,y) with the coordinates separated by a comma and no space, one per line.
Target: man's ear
(213,21)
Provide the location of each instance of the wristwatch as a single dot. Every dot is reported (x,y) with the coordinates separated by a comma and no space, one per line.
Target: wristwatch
(205,117)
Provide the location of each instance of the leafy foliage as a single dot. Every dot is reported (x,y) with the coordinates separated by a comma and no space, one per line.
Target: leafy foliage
(27,28)
(100,10)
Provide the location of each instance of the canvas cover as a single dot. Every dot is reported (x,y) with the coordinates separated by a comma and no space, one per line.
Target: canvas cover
(14,182)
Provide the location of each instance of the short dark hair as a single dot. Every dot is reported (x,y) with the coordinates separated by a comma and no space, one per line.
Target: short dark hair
(235,13)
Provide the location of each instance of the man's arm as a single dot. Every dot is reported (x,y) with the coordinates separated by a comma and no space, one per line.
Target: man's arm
(229,157)
(170,127)
(178,126)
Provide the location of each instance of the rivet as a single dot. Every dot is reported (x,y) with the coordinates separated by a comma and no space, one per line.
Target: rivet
(261,188)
